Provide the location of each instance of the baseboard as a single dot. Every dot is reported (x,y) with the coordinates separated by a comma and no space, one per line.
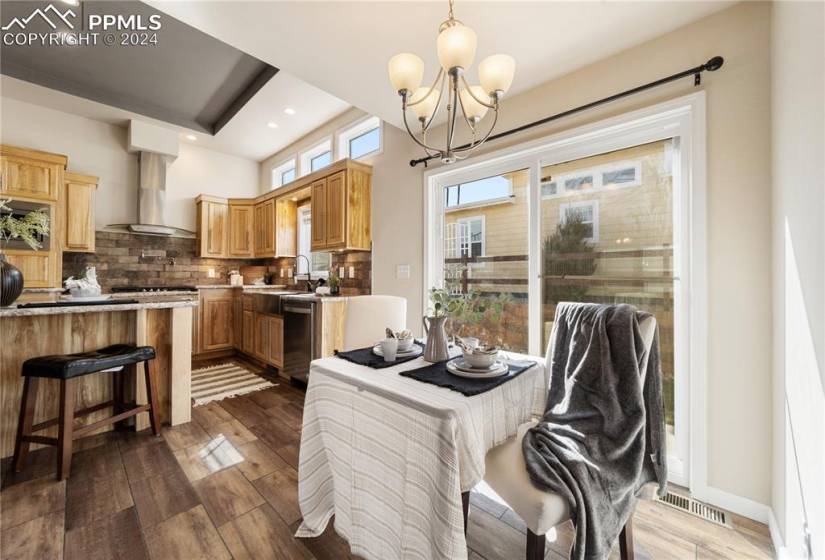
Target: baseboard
(776,537)
(737,504)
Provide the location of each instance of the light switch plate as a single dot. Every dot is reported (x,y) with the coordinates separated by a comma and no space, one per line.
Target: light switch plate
(402,271)
(210,273)
(282,273)
(352,272)
(340,272)
(289,272)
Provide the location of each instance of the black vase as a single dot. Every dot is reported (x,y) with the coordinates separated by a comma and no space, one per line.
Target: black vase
(11,282)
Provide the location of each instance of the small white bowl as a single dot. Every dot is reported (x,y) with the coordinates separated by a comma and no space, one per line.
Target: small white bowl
(480,359)
(405,344)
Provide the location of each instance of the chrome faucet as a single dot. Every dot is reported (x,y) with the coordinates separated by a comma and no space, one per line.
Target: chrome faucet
(310,284)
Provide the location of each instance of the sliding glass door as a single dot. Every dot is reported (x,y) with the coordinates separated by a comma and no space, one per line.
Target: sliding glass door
(600,217)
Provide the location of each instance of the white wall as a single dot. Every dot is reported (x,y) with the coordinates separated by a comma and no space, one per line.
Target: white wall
(798,88)
(100,149)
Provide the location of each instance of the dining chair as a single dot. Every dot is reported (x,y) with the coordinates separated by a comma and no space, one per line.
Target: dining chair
(367,318)
(506,473)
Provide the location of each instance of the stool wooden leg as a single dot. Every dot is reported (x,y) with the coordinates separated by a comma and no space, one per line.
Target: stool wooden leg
(535,546)
(626,541)
(152,395)
(117,396)
(25,421)
(65,428)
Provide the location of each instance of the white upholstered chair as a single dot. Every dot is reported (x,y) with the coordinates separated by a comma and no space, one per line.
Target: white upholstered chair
(367,317)
(506,474)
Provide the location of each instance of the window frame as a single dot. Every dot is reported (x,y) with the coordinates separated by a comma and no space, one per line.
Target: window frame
(277,172)
(317,149)
(312,273)
(355,130)
(594,204)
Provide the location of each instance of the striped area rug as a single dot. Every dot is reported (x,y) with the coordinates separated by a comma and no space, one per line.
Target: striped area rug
(215,383)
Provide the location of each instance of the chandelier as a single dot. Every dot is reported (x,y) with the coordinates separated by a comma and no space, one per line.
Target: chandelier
(456,47)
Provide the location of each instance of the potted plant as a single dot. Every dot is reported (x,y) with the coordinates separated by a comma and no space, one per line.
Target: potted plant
(334,282)
(27,229)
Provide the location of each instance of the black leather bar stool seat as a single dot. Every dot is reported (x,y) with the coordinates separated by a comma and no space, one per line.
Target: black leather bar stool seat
(67,368)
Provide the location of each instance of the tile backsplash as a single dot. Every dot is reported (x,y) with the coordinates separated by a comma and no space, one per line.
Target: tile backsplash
(126,259)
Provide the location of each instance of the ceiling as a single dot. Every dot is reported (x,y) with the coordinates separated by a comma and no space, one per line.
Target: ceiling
(547,39)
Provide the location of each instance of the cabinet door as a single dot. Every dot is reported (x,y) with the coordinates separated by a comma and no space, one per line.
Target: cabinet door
(262,342)
(216,326)
(237,321)
(37,267)
(276,341)
(265,229)
(216,214)
(248,332)
(240,230)
(286,228)
(80,222)
(319,212)
(30,178)
(336,210)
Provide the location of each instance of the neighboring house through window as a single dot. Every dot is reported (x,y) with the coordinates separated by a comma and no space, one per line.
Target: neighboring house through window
(471,237)
(610,176)
(320,262)
(587,211)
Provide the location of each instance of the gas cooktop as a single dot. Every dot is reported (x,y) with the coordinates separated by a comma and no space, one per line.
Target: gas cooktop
(122,289)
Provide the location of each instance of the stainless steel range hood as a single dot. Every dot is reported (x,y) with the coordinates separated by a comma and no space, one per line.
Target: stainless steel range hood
(152,195)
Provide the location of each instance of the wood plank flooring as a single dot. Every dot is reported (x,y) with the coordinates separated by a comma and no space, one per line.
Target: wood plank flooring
(225,486)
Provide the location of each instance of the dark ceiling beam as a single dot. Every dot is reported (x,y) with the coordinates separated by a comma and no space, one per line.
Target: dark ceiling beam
(248,93)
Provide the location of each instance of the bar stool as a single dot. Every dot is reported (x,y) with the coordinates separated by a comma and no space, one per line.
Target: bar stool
(67,368)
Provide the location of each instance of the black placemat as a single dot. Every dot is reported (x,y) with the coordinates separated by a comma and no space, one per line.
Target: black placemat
(366,357)
(76,303)
(437,374)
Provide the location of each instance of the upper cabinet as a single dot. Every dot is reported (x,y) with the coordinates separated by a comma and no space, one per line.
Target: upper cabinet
(240,229)
(267,226)
(31,174)
(213,218)
(79,205)
(341,210)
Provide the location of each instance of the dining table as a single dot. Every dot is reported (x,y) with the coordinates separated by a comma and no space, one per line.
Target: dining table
(393,459)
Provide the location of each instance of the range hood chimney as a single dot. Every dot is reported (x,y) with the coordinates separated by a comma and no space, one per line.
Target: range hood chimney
(152,194)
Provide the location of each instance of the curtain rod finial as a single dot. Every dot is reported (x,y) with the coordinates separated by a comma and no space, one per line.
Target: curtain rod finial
(714,63)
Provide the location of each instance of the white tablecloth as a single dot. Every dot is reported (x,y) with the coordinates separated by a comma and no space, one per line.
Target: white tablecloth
(389,456)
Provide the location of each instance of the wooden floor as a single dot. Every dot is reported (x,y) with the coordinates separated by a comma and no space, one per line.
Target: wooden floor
(225,486)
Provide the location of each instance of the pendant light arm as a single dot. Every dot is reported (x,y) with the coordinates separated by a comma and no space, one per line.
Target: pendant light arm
(484,139)
(410,132)
(452,113)
(432,87)
(470,91)
(437,104)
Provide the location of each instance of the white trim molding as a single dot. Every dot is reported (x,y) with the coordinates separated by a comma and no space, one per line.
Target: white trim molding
(356,129)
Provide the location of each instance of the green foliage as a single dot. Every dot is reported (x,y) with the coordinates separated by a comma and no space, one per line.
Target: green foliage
(27,228)
(333,280)
(473,314)
(570,238)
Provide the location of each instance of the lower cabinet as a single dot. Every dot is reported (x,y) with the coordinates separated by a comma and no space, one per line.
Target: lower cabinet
(276,341)
(216,320)
(261,337)
(248,345)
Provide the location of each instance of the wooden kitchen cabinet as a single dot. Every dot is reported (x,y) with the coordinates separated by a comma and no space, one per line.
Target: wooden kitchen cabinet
(237,320)
(216,319)
(241,219)
(286,227)
(79,216)
(248,345)
(39,268)
(265,228)
(276,341)
(341,210)
(261,335)
(31,174)
(212,225)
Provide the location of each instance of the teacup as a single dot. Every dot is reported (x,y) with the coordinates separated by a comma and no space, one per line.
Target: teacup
(389,348)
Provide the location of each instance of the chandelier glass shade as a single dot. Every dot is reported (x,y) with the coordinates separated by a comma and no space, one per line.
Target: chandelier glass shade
(456,47)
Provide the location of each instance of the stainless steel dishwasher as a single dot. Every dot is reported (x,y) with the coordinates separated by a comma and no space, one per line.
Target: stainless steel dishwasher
(299,337)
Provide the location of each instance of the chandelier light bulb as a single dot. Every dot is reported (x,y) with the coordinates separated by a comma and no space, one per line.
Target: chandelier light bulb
(426,108)
(456,47)
(406,72)
(496,73)
(472,108)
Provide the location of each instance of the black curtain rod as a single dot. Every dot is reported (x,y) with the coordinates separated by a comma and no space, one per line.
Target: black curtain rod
(711,65)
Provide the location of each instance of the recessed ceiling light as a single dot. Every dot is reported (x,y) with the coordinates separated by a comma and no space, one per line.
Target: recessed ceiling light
(272,124)
(191,137)
(289,111)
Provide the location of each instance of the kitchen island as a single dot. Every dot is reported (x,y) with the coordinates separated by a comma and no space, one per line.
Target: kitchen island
(164,322)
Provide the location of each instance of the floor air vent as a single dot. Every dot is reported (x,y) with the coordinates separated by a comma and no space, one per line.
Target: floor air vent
(694,507)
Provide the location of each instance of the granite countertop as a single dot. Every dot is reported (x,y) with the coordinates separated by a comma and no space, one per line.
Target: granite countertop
(152,302)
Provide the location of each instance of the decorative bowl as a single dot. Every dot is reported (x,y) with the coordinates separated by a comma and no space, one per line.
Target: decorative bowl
(479,358)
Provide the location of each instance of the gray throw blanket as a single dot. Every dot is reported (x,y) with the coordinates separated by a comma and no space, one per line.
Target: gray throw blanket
(602,437)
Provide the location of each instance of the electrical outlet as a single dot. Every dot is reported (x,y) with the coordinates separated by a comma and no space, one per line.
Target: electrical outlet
(289,272)
(340,272)
(282,273)
(402,271)
(211,273)
(352,272)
